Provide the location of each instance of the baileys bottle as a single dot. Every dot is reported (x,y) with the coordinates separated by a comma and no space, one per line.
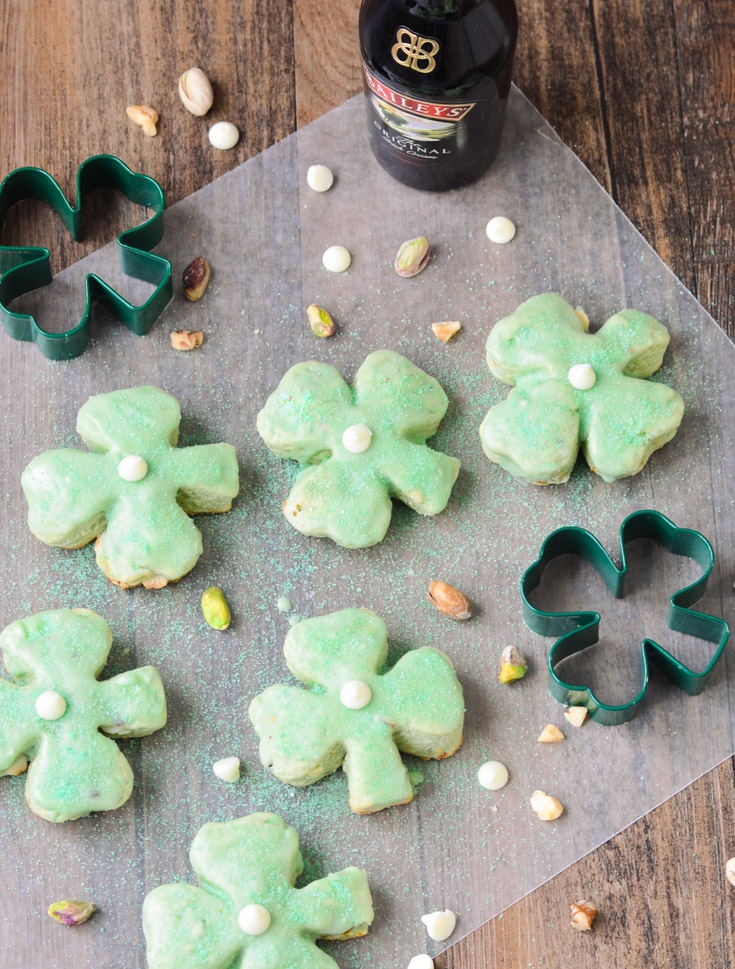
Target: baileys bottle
(437,78)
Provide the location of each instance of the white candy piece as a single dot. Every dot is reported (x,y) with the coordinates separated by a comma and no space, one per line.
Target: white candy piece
(355,694)
(500,230)
(336,259)
(440,925)
(227,769)
(254,919)
(223,135)
(493,775)
(319,178)
(357,438)
(581,376)
(132,468)
(423,961)
(51,705)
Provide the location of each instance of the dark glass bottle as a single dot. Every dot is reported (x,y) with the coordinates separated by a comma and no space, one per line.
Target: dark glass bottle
(437,77)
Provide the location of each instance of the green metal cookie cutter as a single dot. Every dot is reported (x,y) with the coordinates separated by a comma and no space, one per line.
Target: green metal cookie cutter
(23,269)
(578,630)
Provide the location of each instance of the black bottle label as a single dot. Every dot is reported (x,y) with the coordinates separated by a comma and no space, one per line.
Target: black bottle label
(425,131)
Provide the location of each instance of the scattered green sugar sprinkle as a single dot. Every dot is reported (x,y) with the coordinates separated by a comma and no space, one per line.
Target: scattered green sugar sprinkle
(447,848)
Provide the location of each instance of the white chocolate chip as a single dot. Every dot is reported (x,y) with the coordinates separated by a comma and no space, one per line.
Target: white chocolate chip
(493,775)
(132,468)
(336,259)
(730,871)
(319,178)
(546,807)
(254,919)
(422,961)
(357,438)
(440,925)
(355,694)
(227,769)
(223,135)
(581,376)
(50,705)
(500,230)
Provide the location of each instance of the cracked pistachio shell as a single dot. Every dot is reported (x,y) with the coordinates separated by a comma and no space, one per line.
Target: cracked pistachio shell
(412,257)
(513,665)
(196,91)
(215,609)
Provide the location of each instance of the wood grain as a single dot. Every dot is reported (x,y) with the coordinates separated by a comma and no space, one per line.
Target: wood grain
(643,90)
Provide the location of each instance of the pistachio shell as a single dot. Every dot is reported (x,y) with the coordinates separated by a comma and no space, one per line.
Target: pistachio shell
(196,91)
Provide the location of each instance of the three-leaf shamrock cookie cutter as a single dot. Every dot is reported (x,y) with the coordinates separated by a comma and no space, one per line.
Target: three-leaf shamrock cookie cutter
(578,630)
(24,268)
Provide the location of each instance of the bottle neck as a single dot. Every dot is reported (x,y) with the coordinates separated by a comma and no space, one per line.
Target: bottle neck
(438,9)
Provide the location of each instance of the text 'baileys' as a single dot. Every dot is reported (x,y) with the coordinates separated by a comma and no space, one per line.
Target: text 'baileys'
(437,78)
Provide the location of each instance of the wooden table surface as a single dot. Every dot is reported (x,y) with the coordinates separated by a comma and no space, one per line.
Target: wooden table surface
(643,90)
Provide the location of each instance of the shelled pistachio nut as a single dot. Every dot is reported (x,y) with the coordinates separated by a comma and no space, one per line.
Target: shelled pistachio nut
(71,913)
(320,321)
(195,278)
(412,257)
(215,609)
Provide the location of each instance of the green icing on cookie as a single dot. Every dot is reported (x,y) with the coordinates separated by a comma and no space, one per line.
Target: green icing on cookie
(145,533)
(74,769)
(346,494)
(536,432)
(415,707)
(252,861)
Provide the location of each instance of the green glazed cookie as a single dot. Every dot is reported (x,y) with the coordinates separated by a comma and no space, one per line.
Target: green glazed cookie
(135,492)
(357,714)
(247,913)
(573,388)
(56,714)
(359,446)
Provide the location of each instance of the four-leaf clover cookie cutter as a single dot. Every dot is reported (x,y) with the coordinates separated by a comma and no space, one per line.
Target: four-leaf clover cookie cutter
(578,630)
(247,912)
(24,268)
(357,714)
(59,717)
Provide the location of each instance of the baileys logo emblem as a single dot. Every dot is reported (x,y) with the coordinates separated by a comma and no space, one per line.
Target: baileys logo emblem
(413,51)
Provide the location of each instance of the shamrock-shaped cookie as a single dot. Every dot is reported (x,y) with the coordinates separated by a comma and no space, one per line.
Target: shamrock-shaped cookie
(359,446)
(53,715)
(357,714)
(247,914)
(575,388)
(135,492)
